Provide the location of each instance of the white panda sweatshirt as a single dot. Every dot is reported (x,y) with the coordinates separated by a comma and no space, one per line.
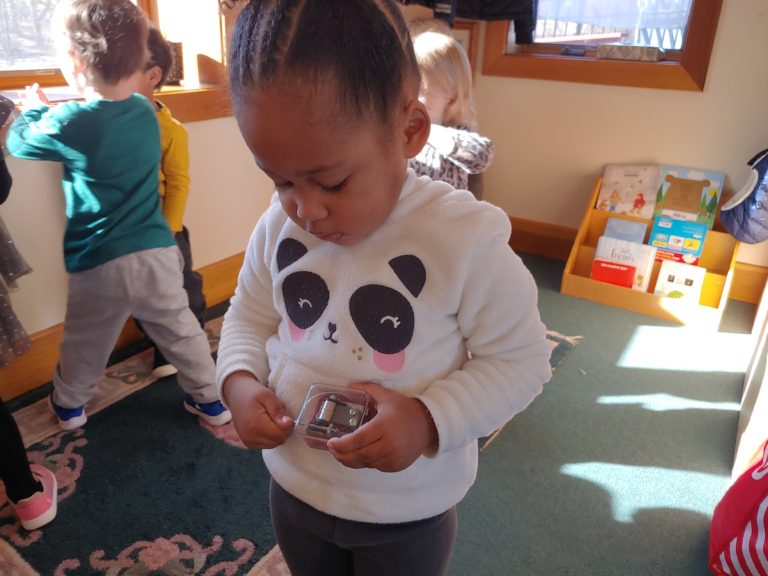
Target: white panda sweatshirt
(433,304)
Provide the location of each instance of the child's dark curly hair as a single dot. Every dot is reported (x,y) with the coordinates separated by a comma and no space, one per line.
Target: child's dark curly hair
(160,54)
(361,48)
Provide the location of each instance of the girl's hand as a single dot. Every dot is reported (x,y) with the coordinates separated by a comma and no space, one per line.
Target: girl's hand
(259,417)
(33,97)
(401,431)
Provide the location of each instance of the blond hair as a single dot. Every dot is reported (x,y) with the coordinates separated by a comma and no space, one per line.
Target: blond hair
(444,65)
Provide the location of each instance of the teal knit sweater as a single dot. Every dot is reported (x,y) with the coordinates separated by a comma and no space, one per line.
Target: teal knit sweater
(110,152)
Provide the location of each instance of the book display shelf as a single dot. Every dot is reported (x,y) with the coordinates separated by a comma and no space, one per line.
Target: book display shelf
(718,257)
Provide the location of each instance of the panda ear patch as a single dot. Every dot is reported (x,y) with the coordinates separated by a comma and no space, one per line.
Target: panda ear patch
(411,272)
(288,252)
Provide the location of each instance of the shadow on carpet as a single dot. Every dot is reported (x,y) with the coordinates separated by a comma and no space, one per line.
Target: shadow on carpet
(145,488)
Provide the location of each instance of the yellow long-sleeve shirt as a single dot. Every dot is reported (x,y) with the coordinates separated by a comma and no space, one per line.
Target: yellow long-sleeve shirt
(174,167)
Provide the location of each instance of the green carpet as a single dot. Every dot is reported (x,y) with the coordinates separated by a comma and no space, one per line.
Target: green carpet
(145,489)
(613,470)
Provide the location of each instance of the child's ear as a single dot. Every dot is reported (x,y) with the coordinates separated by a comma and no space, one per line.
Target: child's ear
(154,74)
(416,128)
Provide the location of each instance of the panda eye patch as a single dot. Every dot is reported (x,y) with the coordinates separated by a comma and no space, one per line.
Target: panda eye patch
(393,319)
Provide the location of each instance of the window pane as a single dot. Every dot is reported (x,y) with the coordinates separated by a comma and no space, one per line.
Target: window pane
(25,35)
(196,27)
(658,23)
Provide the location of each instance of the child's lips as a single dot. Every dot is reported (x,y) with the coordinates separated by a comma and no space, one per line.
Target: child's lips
(332,237)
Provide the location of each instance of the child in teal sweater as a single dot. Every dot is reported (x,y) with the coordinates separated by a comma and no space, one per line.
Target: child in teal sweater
(120,254)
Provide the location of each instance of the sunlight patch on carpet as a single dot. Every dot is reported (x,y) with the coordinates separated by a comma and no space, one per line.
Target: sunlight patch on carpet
(688,349)
(633,489)
(662,402)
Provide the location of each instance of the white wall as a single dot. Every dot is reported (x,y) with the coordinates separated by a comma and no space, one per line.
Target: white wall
(552,140)
(228,193)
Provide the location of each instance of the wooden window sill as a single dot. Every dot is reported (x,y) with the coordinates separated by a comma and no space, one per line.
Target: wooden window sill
(196,104)
(186,104)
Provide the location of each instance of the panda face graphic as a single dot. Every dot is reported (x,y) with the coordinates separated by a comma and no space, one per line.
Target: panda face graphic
(383,316)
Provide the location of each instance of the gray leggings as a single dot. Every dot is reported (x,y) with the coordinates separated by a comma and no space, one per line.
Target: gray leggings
(317,544)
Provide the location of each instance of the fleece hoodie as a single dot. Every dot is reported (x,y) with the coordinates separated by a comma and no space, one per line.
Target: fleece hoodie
(433,304)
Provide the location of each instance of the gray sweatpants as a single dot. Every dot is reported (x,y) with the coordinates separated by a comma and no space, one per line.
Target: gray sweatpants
(316,544)
(148,285)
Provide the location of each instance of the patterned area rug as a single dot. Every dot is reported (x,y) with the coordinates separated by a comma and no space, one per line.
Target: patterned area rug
(177,497)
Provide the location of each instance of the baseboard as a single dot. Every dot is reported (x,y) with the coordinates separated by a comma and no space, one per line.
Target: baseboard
(542,239)
(220,279)
(35,368)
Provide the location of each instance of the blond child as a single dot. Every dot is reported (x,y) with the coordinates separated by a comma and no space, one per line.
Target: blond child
(454,151)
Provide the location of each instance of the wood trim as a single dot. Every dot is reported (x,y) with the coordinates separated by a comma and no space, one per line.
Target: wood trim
(473,28)
(689,73)
(748,282)
(36,367)
(542,239)
(194,105)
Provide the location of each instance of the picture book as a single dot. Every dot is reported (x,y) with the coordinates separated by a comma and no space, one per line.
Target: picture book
(678,240)
(688,194)
(617,252)
(628,230)
(613,273)
(680,281)
(629,189)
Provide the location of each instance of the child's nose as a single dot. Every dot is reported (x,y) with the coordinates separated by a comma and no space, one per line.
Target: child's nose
(309,206)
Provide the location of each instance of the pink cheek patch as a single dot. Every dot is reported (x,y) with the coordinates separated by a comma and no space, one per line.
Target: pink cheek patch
(296,333)
(389,363)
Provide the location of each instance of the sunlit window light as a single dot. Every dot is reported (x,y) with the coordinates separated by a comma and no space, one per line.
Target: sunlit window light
(636,488)
(686,348)
(661,402)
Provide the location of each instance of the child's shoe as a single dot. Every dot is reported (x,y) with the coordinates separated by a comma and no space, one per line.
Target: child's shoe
(40,508)
(215,413)
(161,367)
(69,418)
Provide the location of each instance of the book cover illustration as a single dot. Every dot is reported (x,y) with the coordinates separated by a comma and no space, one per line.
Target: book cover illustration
(628,230)
(688,193)
(678,240)
(629,189)
(680,281)
(614,258)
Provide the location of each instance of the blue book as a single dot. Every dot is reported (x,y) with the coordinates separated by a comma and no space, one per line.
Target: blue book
(678,240)
(628,230)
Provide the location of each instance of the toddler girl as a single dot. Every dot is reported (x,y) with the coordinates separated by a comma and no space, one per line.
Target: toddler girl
(454,151)
(361,274)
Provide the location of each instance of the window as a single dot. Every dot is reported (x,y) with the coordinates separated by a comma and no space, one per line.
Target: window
(587,23)
(28,54)
(568,33)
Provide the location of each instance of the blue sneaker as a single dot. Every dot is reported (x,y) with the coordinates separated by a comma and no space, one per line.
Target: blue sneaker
(215,413)
(69,418)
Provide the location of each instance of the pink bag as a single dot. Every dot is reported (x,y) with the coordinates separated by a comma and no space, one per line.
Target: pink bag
(737,536)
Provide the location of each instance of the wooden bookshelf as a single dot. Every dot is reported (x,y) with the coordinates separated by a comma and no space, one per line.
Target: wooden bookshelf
(718,257)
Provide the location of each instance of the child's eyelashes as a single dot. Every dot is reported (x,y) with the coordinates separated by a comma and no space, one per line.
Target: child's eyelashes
(336,187)
(287,186)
